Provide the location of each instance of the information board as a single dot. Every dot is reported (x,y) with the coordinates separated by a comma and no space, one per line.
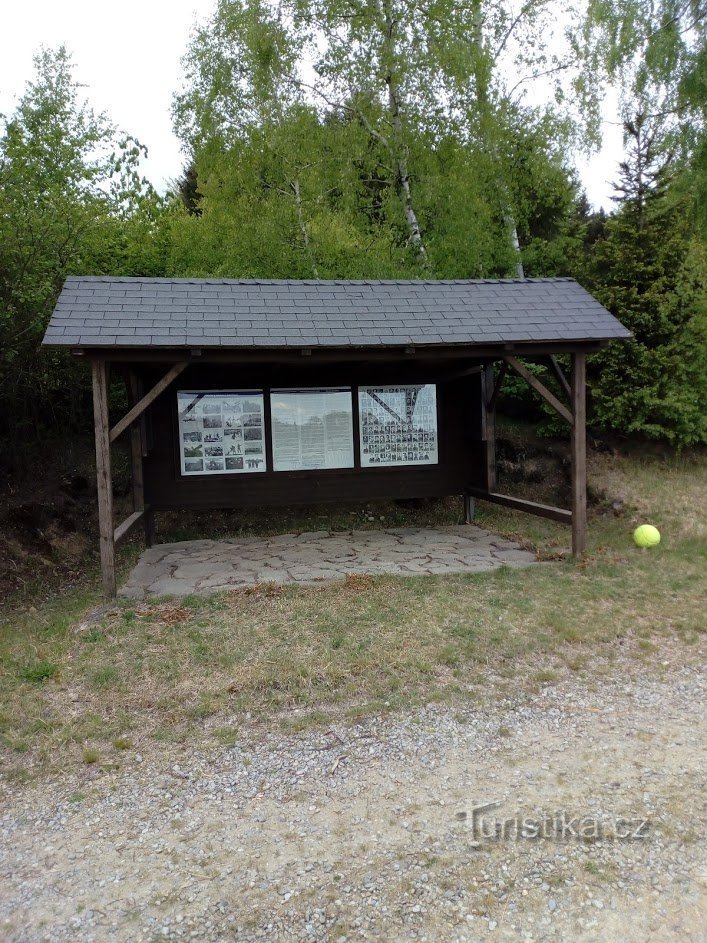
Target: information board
(221,432)
(398,425)
(312,428)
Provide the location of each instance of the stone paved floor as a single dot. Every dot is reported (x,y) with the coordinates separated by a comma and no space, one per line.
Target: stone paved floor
(201,566)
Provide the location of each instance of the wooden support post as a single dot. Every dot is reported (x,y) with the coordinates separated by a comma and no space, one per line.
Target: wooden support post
(149,521)
(136,447)
(499,383)
(489,426)
(103,476)
(579,453)
(469,509)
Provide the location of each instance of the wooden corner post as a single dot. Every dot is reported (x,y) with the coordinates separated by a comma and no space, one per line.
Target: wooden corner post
(579,453)
(103,476)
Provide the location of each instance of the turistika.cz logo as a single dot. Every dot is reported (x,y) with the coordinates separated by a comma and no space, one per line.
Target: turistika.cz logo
(556,826)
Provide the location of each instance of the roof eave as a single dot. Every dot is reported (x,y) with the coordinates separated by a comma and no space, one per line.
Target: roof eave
(220,351)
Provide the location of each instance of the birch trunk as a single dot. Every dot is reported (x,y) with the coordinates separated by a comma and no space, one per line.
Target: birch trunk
(481,78)
(303,226)
(512,230)
(399,151)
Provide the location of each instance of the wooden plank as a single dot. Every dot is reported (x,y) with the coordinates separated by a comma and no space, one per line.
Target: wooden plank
(458,374)
(136,450)
(150,532)
(489,428)
(469,509)
(559,373)
(140,407)
(519,504)
(499,383)
(103,476)
(579,454)
(122,530)
(540,388)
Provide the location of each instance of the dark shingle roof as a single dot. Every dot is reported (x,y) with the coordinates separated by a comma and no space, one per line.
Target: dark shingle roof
(157,313)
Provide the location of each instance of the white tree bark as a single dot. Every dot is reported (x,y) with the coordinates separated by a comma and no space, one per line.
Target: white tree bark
(512,231)
(482,101)
(303,226)
(399,150)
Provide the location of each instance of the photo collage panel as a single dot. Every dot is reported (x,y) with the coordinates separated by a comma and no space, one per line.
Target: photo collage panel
(221,432)
(398,425)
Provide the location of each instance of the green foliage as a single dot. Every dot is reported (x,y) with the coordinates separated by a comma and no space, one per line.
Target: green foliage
(72,202)
(403,150)
(649,270)
(391,139)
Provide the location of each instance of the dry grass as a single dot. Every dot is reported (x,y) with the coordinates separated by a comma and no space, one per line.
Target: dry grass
(206,665)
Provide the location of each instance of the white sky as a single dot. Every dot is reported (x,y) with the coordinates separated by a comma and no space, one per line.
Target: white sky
(127,56)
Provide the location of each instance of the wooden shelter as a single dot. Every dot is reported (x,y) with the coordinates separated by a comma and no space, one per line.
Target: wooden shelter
(281,392)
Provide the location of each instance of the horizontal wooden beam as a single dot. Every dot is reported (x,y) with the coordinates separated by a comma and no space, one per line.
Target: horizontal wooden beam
(519,504)
(140,407)
(122,530)
(540,388)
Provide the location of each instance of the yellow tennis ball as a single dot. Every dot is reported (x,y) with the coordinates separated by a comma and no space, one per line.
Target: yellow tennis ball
(646,536)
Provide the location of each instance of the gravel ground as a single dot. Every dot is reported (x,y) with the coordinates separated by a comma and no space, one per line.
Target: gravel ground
(365,831)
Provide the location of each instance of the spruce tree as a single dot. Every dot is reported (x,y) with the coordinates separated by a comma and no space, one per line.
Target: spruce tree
(648,269)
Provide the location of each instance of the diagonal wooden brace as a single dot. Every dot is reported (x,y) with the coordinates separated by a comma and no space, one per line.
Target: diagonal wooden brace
(564,382)
(540,388)
(139,408)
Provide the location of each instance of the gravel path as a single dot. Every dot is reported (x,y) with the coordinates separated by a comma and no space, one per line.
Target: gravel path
(365,832)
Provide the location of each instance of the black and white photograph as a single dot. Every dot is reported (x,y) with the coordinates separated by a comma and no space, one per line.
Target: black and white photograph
(398,425)
(213,425)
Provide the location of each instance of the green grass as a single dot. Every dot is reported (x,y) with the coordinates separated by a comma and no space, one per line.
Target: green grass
(170,671)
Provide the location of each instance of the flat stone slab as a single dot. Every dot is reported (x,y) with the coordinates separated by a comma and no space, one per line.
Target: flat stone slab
(207,566)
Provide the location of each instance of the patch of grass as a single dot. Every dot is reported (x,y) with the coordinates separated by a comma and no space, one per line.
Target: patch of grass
(104,676)
(39,671)
(122,743)
(545,676)
(91,756)
(366,645)
(227,736)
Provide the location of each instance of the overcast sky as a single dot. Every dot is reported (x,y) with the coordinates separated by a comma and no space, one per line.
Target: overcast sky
(127,55)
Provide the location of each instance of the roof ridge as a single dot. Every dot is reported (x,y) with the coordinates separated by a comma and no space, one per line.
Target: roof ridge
(315,281)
